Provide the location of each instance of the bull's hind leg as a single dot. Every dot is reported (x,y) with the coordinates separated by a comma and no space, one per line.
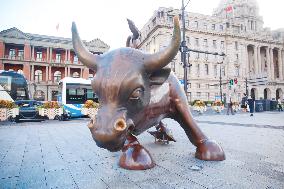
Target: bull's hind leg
(206,149)
(135,156)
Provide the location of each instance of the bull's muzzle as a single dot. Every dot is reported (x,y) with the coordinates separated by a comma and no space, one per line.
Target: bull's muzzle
(120,125)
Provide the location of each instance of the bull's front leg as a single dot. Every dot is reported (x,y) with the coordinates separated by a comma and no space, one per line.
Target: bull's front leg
(135,156)
(207,149)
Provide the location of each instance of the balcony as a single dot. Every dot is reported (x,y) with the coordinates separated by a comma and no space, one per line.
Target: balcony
(13,57)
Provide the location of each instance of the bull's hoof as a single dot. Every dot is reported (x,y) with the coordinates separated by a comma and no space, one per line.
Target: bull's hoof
(210,150)
(135,157)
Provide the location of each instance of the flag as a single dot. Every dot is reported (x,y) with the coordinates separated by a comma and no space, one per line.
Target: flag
(229,8)
(57,27)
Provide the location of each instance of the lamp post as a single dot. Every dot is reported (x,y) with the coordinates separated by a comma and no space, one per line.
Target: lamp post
(184,50)
(220,76)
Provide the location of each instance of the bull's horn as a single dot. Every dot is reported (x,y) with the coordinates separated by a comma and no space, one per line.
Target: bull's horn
(160,59)
(87,58)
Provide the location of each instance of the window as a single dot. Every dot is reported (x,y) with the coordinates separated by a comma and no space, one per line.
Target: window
(206,56)
(21,54)
(198,70)
(237,71)
(198,86)
(206,69)
(208,96)
(236,45)
(198,94)
(57,76)
(222,45)
(189,85)
(221,28)
(75,59)
(170,19)
(58,58)
(237,57)
(196,24)
(215,70)
(12,53)
(214,44)
(38,55)
(213,26)
(75,75)
(197,55)
(205,43)
(187,40)
(223,71)
(205,26)
(197,42)
(38,75)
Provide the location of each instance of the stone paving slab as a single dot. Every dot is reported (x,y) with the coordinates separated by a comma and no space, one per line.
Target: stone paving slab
(55,154)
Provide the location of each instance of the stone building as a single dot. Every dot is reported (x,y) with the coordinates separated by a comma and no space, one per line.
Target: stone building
(44,60)
(254,54)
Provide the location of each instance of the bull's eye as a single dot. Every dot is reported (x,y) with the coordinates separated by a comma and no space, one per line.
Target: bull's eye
(136,94)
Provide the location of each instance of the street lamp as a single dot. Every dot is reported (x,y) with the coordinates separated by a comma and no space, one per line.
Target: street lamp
(184,49)
(220,76)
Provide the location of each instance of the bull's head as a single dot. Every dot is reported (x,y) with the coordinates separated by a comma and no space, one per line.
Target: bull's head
(122,82)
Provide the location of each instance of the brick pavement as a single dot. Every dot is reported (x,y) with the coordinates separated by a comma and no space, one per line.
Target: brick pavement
(55,154)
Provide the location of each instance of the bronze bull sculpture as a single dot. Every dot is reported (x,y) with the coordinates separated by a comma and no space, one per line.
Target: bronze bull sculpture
(136,92)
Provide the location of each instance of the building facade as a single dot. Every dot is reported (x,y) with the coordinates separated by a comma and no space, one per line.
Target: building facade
(254,54)
(44,60)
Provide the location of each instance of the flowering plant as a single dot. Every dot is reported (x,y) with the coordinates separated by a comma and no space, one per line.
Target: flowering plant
(50,105)
(218,106)
(199,106)
(91,104)
(7,104)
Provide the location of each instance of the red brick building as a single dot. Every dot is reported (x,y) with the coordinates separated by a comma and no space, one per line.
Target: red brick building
(44,60)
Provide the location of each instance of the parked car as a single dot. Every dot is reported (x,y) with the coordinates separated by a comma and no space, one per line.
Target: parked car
(28,110)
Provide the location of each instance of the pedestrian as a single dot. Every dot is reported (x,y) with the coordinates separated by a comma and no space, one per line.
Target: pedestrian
(230,107)
(244,102)
(279,103)
(251,102)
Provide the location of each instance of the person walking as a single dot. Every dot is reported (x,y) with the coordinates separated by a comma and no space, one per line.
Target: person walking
(279,103)
(251,102)
(244,102)
(230,107)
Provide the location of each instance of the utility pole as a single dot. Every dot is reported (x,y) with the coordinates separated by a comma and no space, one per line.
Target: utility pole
(246,86)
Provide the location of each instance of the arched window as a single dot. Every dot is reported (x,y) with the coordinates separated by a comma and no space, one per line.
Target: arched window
(57,76)
(38,75)
(75,75)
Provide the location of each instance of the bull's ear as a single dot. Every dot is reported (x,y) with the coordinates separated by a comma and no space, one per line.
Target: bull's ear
(160,76)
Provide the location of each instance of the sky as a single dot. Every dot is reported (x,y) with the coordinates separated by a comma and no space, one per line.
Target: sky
(106,19)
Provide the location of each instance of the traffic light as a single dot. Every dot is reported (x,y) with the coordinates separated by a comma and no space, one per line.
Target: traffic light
(236,81)
(231,82)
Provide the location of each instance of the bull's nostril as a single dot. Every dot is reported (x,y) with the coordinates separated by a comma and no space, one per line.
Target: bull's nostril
(120,125)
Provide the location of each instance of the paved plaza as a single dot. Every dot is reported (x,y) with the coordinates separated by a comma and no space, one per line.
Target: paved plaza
(54,154)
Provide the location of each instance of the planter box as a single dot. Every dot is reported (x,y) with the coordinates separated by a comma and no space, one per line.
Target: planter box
(217,109)
(199,109)
(51,113)
(6,113)
(91,112)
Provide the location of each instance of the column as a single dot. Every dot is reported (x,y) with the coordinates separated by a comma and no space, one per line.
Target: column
(280,64)
(268,63)
(81,73)
(66,55)
(46,73)
(50,54)
(271,64)
(259,61)
(33,73)
(65,72)
(33,53)
(68,70)
(255,51)
(69,56)
(49,73)
(47,54)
